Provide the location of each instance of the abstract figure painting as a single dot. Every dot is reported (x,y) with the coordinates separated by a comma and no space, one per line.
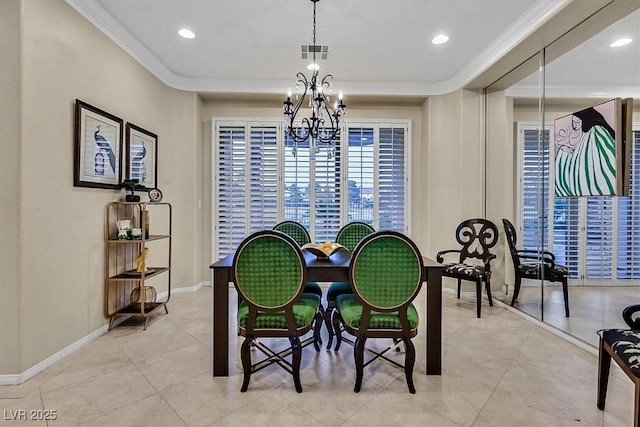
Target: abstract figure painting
(590,151)
(98,147)
(142,156)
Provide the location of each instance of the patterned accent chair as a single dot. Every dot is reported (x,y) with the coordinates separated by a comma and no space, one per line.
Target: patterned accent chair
(349,236)
(270,272)
(533,264)
(301,236)
(623,345)
(476,236)
(386,274)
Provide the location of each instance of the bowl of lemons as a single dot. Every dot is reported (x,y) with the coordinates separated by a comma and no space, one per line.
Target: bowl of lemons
(323,250)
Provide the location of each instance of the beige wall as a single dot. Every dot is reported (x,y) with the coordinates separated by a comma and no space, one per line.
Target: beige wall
(52,291)
(10,185)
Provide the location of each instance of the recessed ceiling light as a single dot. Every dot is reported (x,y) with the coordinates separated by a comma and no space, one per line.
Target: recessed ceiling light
(620,42)
(439,39)
(187,34)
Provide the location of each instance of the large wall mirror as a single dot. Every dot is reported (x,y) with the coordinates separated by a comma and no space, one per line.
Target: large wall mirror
(596,238)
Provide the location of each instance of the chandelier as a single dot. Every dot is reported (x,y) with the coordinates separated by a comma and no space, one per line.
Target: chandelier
(324,124)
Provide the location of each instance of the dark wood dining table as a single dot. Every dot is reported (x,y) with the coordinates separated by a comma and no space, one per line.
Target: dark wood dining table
(335,269)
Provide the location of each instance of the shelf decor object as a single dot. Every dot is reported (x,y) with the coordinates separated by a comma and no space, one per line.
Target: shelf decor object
(128,273)
(323,250)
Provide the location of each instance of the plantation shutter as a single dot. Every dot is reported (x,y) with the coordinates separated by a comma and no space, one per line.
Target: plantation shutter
(377,175)
(361,175)
(326,192)
(566,234)
(263,172)
(297,183)
(534,177)
(261,178)
(230,212)
(628,245)
(392,186)
(599,236)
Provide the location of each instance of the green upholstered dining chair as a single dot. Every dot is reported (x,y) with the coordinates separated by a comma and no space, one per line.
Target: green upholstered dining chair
(386,275)
(270,271)
(301,236)
(348,236)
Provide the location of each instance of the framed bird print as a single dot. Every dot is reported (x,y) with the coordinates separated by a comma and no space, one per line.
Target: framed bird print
(142,156)
(98,147)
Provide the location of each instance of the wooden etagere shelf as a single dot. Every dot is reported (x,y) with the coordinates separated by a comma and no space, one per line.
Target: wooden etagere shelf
(121,276)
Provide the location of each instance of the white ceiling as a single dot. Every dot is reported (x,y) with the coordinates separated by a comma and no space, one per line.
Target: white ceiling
(376,47)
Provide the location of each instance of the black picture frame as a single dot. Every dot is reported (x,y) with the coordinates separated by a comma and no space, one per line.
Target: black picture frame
(142,156)
(97,148)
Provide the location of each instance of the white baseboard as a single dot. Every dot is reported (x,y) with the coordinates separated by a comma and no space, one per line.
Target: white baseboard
(16,379)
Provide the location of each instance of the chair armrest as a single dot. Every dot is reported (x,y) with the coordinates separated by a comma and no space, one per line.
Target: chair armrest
(440,255)
(627,315)
(547,257)
(487,260)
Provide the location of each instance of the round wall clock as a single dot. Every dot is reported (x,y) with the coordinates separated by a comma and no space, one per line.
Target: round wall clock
(155,195)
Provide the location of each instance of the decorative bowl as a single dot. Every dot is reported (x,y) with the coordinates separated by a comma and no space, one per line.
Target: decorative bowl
(322,251)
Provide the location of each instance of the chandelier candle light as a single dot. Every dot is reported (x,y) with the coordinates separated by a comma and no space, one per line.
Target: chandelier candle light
(324,123)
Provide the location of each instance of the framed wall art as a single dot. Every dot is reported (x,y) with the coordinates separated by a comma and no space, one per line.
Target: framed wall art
(592,150)
(142,156)
(98,147)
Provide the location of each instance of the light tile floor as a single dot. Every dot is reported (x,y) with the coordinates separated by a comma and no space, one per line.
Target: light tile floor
(500,370)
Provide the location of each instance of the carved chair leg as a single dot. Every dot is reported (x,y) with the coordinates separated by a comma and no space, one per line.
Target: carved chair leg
(245,355)
(565,291)
(478,297)
(317,341)
(409,362)
(459,285)
(636,406)
(604,363)
(358,353)
(516,290)
(488,286)
(327,322)
(336,328)
(296,358)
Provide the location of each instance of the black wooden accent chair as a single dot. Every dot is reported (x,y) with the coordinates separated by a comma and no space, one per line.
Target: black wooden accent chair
(386,276)
(270,272)
(349,236)
(533,264)
(476,236)
(623,345)
(301,236)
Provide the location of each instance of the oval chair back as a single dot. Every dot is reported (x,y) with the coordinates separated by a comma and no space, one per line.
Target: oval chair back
(351,234)
(295,230)
(386,275)
(270,272)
